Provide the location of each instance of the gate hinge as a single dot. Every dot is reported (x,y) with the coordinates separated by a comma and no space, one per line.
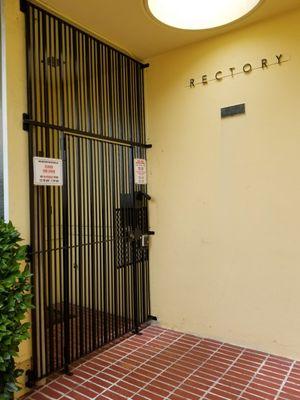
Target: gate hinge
(25,122)
(152,318)
(23,5)
(29,254)
(30,378)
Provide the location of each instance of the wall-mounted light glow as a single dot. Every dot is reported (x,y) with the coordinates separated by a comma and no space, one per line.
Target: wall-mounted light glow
(199,14)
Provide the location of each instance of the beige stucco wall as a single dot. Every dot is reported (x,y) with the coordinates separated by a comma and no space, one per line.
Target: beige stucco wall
(17,138)
(16,106)
(225,261)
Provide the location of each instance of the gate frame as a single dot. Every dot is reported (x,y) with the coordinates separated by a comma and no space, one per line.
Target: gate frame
(28,125)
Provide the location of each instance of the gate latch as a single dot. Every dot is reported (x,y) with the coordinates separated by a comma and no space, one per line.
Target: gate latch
(145,239)
(140,195)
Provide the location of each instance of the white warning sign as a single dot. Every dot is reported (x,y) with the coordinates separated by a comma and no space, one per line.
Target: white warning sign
(140,171)
(47,171)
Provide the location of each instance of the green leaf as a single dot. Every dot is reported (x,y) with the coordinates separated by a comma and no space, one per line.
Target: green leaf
(12,387)
(15,302)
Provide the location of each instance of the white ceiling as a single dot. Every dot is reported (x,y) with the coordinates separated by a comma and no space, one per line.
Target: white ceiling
(128,25)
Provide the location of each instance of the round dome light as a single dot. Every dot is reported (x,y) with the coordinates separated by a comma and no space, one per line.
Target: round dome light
(200,14)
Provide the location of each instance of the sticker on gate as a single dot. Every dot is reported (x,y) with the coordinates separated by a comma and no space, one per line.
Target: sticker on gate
(140,171)
(47,171)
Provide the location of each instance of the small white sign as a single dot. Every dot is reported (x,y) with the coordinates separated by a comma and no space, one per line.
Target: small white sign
(140,171)
(47,171)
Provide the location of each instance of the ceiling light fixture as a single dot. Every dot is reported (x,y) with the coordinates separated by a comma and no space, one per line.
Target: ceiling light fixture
(200,14)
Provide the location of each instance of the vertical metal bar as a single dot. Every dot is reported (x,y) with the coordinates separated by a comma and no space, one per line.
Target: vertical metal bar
(111,130)
(142,153)
(133,212)
(78,191)
(87,246)
(94,85)
(69,106)
(84,202)
(80,255)
(101,197)
(55,150)
(65,219)
(66,256)
(104,241)
(70,190)
(106,197)
(49,118)
(121,273)
(108,230)
(93,254)
(59,87)
(134,250)
(97,240)
(70,155)
(37,244)
(74,193)
(115,295)
(47,317)
(113,238)
(126,245)
(88,63)
(30,57)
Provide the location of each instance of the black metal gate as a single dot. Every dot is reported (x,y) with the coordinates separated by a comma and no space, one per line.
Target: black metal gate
(91,271)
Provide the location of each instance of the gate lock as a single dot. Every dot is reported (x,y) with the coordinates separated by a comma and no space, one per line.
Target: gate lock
(142,238)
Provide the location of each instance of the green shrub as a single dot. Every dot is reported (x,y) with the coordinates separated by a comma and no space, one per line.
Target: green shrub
(15,301)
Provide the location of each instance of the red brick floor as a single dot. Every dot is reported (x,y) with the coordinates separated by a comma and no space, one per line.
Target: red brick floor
(164,364)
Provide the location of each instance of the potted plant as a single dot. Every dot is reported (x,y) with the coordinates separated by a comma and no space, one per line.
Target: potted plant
(15,301)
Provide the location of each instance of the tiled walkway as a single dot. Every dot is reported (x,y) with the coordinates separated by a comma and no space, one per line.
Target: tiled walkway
(163,364)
